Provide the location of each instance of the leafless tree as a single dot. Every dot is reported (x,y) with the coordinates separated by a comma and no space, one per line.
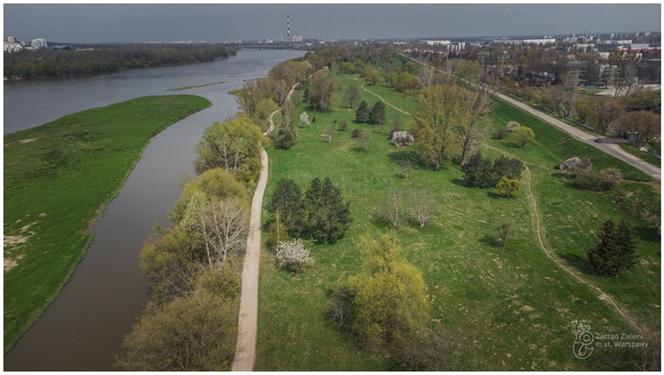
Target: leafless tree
(426,75)
(391,210)
(421,206)
(470,127)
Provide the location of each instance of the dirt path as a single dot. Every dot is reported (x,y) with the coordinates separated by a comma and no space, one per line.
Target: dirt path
(601,295)
(587,138)
(382,99)
(245,349)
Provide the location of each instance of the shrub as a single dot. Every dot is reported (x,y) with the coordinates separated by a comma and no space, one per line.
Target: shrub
(479,172)
(500,133)
(392,209)
(357,133)
(575,163)
(362,114)
(292,256)
(509,167)
(343,125)
(502,232)
(512,126)
(524,135)
(507,187)
(285,137)
(401,139)
(304,119)
(603,180)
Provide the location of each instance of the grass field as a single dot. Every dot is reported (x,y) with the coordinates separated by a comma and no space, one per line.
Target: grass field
(503,308)
(58,178)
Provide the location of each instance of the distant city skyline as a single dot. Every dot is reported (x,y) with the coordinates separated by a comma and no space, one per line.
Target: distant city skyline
(226,22)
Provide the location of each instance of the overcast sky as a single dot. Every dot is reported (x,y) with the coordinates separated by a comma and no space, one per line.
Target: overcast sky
(125,23)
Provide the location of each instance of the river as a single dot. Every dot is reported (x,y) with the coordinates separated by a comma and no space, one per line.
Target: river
(83,328)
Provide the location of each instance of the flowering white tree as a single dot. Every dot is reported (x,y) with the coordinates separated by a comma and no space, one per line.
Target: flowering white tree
(292,255)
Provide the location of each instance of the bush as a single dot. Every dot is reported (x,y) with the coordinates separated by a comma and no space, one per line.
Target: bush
(500,133)
(343,125)
(357,133)
(292,256)
(524,135)
(603,180)
(285,137)
(507,187)
(574,164)
(509,167)
(362,114)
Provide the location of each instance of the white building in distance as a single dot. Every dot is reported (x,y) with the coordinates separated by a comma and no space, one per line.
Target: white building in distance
(39,43)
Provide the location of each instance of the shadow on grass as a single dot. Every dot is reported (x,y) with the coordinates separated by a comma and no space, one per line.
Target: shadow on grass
(647,234)
(491,240)
(460,182)
(578,262)
(512,145)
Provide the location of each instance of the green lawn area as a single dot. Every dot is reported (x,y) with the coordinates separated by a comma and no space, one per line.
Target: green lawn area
(58,178)
(641,154)
(503,308)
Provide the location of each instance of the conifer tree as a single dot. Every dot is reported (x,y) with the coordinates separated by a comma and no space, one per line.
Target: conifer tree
(287,199)
(614,251)
(327,215)
(377,114)
(362,113)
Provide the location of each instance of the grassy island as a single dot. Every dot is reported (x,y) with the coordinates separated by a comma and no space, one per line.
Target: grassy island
(58,178)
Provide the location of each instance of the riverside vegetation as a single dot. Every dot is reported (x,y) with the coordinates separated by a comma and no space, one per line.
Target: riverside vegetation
(54,191)
(482,285)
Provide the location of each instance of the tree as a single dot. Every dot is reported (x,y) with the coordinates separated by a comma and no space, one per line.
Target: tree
(292,256)
(213,183)
(389,305)
(277,231)
(233,145)
(420,206)
(347,67)
(326,213)
(479,172)
(343,125)
(321,89)
(509,167)
(304,120)
(507,187)
(362,114)
(604,113)
(287,200)
(614,251)
(377,113)
(524,135)
(426,75)
(403,81)
(328,135)
(469,127)
(285,137)
(371,75)
(218,226)
(195,332)
(502,231)
(264,109)
(434,122)
(392,209)
(352,95)
(644,124)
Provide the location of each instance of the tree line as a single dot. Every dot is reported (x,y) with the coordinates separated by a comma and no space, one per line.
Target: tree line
(50,63)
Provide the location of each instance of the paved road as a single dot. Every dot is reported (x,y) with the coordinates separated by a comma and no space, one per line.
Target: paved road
(245,349)
(609,148)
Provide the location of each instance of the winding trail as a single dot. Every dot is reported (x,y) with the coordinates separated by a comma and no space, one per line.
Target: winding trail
(245,349)
(382,99)
(534,210)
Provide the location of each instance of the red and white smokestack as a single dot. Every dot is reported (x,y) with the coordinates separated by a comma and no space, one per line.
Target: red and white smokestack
(288,27)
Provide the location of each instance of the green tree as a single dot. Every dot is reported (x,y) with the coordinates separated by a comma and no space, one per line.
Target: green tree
(234,145)
(287,200)
(213,183)
(507,187)
(362,114)
(524,135)
(479,172)
(352,95)
(614,251)
(327,215)
(377,113)
(389,304)
(321,89)
(285,137)
(371,75)
(277,232)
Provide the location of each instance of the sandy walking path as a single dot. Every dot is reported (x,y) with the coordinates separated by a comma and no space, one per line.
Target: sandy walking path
(245,349)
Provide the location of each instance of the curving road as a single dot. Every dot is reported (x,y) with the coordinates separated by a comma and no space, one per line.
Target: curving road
(245,349)
(608,148)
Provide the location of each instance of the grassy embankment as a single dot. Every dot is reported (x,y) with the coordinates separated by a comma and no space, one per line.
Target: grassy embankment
(58,179)
(505,308)
(641,154)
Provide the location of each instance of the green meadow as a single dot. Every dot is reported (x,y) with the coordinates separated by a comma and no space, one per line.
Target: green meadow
(503,308)
(58,179)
